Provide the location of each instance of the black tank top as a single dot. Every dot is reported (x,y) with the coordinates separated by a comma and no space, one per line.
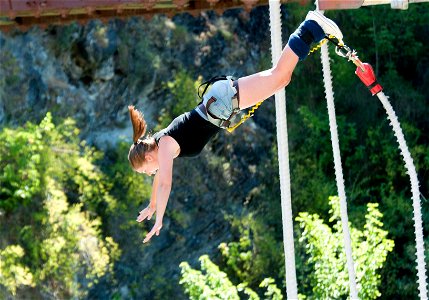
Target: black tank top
(190,131)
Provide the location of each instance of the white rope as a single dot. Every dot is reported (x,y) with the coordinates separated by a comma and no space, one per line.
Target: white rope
(283,154)
(411,170)
(327,79)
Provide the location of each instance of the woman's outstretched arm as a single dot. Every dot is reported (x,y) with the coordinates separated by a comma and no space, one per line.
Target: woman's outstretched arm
(151,208)
(166,153)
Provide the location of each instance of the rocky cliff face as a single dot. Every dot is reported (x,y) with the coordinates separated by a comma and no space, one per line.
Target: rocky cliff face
(92,72)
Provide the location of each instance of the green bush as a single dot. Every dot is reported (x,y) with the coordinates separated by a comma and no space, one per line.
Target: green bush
(212,283)
(12,272)
(49,176)
(325,247)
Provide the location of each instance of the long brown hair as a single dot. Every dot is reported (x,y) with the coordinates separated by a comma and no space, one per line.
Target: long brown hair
(141,145)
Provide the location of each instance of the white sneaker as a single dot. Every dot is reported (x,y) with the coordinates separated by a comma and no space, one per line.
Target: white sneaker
(328,26)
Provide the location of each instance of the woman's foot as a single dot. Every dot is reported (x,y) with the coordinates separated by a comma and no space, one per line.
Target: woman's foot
(328,26)
(314,29)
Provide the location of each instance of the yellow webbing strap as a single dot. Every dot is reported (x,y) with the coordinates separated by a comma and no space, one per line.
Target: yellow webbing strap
(243,119)
(318,46)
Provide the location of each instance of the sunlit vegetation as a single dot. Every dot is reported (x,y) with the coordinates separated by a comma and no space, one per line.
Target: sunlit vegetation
(324,246)
(51,190)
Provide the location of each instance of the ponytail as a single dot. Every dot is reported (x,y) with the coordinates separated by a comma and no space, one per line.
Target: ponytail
(139,123)
(136,155)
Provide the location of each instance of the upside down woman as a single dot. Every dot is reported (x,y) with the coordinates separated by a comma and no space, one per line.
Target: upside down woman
(190,132)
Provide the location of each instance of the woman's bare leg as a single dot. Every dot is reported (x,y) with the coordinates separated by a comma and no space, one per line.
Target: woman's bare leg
(260,86)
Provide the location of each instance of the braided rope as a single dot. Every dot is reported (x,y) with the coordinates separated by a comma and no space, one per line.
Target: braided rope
(411,170)
(283,156)
(327,79)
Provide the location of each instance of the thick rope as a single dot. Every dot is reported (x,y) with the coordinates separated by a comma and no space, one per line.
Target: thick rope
(411,170)
(327,79)
(283,154)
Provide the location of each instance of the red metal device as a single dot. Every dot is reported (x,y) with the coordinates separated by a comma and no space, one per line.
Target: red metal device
(367,76)
(364,70)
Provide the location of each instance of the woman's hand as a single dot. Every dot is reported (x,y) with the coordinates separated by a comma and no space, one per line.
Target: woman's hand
(155,230)
(146,213)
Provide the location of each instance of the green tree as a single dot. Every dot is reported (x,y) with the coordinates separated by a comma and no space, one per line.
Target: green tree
(253,252)
(324,246)
(49,177)
(212,283)
(12,272)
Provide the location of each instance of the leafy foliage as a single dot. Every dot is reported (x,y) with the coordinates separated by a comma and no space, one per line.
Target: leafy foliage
(212,283)
(183,92)
(65,252)
(273,292)
(13,274)
(253,254)
(325,249)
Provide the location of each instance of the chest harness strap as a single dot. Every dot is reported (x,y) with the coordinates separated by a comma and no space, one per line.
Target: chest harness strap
(205,109)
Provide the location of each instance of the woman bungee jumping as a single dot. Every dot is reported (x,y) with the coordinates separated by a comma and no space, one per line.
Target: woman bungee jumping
(190,132)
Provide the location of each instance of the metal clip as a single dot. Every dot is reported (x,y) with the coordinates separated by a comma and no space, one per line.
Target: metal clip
(349,53)
(343,50)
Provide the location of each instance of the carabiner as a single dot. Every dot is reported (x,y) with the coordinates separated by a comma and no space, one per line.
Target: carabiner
(343,51)
(349,53)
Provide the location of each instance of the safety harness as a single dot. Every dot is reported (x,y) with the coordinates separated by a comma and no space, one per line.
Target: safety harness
(205,107)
